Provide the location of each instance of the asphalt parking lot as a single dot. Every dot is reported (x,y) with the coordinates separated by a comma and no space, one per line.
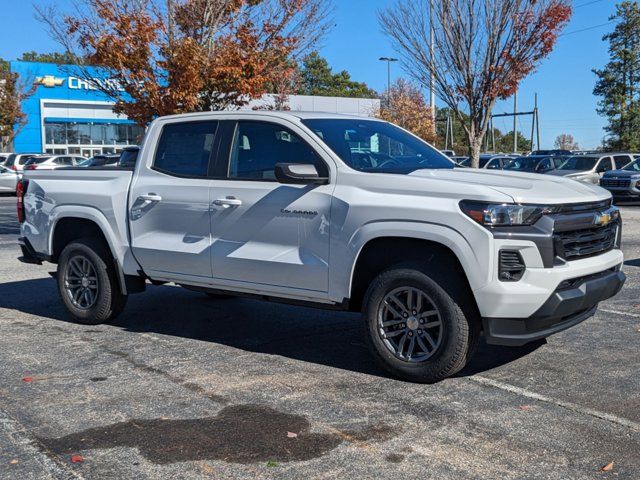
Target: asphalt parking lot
(183,386)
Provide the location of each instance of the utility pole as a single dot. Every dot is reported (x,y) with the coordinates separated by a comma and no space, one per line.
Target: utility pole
(515,122)
(388,60)
(432,92)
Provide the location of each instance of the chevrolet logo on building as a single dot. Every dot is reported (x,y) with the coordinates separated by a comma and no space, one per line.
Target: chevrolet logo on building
(49,81)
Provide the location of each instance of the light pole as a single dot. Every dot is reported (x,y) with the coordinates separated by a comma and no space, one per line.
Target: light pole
(388,60)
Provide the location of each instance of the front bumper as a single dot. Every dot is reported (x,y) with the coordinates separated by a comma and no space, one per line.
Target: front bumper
(573,302)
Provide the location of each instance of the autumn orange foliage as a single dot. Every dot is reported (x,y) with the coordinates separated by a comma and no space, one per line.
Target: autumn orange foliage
(405,106)
(189,55)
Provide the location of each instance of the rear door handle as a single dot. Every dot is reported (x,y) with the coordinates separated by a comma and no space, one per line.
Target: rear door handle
(151,197)
(228,202)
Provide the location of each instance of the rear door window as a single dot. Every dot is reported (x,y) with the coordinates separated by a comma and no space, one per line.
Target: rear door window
(622,160)
(185,149)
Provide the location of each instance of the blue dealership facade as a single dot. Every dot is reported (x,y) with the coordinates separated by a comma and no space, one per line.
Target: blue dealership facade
(68,115)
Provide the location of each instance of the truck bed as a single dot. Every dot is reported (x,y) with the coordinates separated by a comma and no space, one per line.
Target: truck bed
(98,194)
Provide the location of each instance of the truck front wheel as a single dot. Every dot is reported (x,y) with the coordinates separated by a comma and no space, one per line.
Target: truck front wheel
(415,328)
(87,282)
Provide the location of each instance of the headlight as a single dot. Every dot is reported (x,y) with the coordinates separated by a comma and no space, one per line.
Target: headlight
(502,215)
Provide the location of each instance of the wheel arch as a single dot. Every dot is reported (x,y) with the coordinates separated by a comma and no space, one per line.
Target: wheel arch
(383,252)
(69,226)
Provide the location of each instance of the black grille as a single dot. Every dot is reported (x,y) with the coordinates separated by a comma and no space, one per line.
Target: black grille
(615,182)
(586,243)
(511,266)
(583,207)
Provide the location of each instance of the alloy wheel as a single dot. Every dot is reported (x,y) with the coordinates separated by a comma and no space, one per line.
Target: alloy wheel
(410,325)
(81,282)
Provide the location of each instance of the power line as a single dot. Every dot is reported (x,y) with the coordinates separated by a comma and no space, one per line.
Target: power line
(588,3)
(587,29)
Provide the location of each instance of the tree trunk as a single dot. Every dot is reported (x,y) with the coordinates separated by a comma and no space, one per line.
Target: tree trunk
(475,147)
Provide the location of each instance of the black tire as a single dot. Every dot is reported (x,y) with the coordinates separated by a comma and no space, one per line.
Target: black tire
(108,300)
(457,337)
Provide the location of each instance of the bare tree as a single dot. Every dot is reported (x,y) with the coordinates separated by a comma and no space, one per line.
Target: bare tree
(566,141)
(483,49)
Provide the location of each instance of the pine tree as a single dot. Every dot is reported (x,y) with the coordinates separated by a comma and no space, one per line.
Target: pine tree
(619,82)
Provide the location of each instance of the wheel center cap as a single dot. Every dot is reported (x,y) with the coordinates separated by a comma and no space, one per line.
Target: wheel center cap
(85,282)
(412,323)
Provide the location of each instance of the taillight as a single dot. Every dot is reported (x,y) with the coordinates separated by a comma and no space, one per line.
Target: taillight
(21,190)
(30,167)
(14,168)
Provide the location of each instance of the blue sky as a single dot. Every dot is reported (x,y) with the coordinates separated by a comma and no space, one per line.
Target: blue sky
(564,82)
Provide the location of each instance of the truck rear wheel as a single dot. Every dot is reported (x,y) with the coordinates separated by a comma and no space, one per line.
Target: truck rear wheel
(87,282)
(414,327)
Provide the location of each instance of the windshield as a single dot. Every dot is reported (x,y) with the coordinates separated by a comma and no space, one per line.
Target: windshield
(377,147)
(633,166)
(527,164)
(579,163)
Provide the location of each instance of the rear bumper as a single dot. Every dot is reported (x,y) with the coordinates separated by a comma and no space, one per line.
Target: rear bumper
(29,255)
(569,305)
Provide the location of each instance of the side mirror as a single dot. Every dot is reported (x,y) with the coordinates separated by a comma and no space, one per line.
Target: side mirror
(298,174)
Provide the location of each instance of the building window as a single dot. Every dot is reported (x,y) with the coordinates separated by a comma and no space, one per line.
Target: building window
(97,134)
(109,134)
(84,134)
(55,133)
(72,133)
(121,135)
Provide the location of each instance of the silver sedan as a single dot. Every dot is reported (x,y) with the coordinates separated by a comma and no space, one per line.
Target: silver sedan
(8,180)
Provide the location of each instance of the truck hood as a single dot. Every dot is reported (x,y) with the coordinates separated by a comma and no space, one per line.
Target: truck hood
(522,187)
(621,174)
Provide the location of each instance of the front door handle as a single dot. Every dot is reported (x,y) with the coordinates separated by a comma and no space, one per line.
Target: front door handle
(228,202)
(151,197)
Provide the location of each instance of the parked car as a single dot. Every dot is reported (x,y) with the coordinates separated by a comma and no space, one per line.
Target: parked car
(535,164)
(337,212)
(129,157)
(551,153)
(16,161)
(3,157)
(625,182)
(590,168)
(8,180)
(460,160)
(102,160)
(51,162)
(490,162)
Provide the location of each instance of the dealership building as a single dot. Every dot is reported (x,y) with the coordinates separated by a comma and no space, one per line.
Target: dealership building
(67,114)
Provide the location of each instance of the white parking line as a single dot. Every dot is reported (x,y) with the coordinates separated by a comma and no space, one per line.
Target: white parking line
(560,403)
(21,438)
(636,315)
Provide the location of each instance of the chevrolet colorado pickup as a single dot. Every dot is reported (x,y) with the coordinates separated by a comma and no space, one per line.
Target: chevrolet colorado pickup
(336,212)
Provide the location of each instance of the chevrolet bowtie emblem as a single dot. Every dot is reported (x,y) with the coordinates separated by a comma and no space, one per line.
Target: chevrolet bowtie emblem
(602,219)
(49,81)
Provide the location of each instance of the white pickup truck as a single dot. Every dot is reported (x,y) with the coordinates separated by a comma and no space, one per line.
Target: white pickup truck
(335,212)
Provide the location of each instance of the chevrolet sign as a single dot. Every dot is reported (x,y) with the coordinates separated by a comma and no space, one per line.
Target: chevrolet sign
(49,81)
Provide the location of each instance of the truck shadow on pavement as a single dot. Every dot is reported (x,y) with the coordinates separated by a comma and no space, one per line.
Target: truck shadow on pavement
(333,339)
